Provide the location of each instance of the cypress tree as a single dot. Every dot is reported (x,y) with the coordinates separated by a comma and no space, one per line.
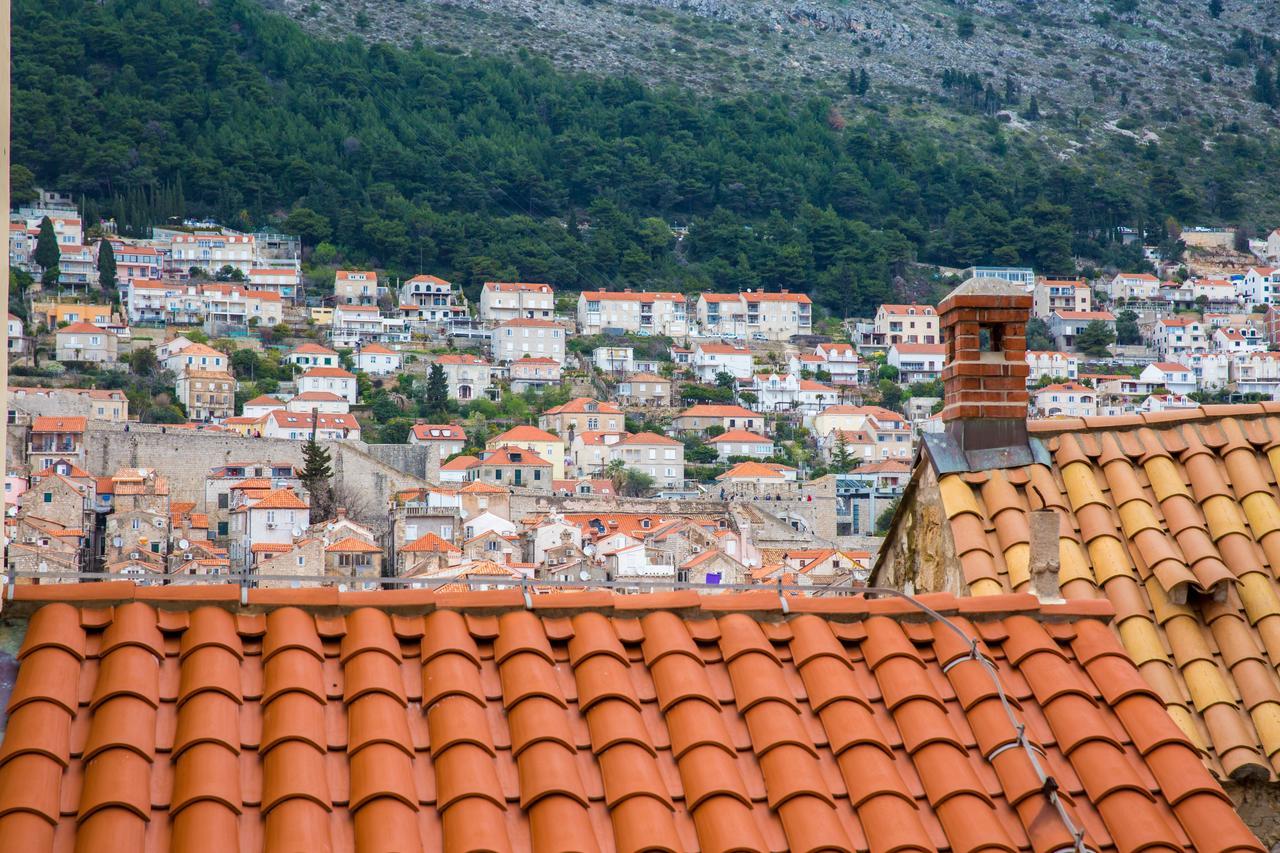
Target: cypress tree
(107,265)
(47,252)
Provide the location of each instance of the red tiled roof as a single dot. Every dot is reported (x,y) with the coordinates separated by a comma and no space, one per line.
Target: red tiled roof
(430,543)
(516,286)
(1173,517)
(376,349)
(439,432)
(484,726)
(460,463)
(352,545)
(459,358)
(647,438)
(505,456)
(709,410)
(921,349)
(524,432)
(521,322)
(281,499)
(754,470)
(83,328)
(741,436)
(327,373)
(578,406)
(58,424)
(632,296)
(312,349)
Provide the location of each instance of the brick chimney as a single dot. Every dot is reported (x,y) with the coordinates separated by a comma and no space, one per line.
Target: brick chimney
(984,325)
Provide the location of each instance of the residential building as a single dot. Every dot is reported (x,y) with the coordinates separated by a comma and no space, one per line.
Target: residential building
(1165,403)
(616,360)
(283,281)
(541,442)
(712,359)
(842,362)
(755,480)
(469,376)
(740,442)
(917,362)
(207,395)
(514,466)
(888,431)
(905,324)
(448,438)
(1272,250)
(1065,400)
(355,287)
(535,373)
(312,355)
(234,307)
(207,249)
(260,405)
(645,389)
(355,558)
(1016,275)
(194,357)
(299,427)
(1261,286)
(355,324)
(1134,287)
(133,260)
(582,414)
(658,457)
(705,416)
(1174,338)
(225,487)
(514,339)
(377,360)
(501,301)
(1237,339)
(1052,294)
(266,525)
(325,402)
(789,393)
(589,451)
(91,403)
(86,342)
(1257,373)
(1214,291)
(755,314)
(434,299)
(332,379)
(642,312)
(51,315)
(1053,364)
(1211,369)
(1066,326)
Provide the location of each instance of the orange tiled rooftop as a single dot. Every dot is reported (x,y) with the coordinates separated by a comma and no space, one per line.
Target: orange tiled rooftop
(175,717)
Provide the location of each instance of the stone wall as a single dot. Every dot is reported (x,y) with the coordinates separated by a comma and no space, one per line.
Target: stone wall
(918,555)
(1258,804)
(185,457)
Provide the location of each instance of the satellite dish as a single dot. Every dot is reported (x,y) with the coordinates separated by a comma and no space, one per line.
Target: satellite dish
(589,549)
(117,541)
(183,544)
(584,575)
(12,511)
(296,533)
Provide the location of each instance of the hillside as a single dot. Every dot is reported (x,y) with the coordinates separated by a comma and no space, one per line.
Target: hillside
(478,167)
(1144,59)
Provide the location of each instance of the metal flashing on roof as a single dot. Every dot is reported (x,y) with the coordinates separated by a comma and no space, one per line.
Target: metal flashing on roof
(947,456)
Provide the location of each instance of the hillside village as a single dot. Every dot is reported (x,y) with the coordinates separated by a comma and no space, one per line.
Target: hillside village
(194,425)
(396,432)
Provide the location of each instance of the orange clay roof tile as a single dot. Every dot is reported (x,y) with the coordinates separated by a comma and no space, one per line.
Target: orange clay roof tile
(1177,522)
(659,722)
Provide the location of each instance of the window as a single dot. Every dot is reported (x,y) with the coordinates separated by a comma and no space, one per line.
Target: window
(48,497)
(135,524)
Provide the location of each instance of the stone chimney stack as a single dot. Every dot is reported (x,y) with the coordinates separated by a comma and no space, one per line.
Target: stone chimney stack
(984,325)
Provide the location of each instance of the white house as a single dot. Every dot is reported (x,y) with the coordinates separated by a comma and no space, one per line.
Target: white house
(297,426)
(501,301)
(1166,402)
(617,360)
(1257,373)
(1053,364)
(259,406)
(1176,337)
(195,357)
(448,438)
(325,402)
(1261,286)
(1069,399)
(312,355)
(1237,339)
(514,339)
(355,324)
(1212,369)
(917,362)
(469,376)
(712,359)
(1170,375)
(333,379)
(1131,286)
(17,340)
(656,455)
(842,362)
(377,359)
(740,442)
(642,312)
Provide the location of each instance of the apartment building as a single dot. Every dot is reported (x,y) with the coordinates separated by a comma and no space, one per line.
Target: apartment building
(285,282)
(501,301)
(354,324)
(194,357)
(917,362)
(208,250)
(170,302)
(312,355)
(541,442)
(514,339)
(431,299)
(1261,286)
(755,314)
(469,376)
(1134,287)
(641,312)
(355,287)
(905,324)
(208,395)
(1176,337)
(1068,399)
(656,456)
(1053,364)
(1052,294)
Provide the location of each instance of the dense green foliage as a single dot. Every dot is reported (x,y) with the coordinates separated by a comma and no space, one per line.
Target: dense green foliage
(480,168)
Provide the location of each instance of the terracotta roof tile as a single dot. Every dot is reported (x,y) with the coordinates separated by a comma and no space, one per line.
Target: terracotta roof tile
(1177,523)
(632,722)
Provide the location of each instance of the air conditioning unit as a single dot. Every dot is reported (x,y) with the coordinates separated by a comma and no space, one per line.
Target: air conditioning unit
(271,525)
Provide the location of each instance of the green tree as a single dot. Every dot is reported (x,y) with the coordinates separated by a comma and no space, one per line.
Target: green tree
(885,519)
(725,380)
(143,362)
(436,398)
(47,254)
(1215,9)
(107,265)
(1095,339)
(1127,333)
(842,460)
(964,25)
(317,474)
(1038,337)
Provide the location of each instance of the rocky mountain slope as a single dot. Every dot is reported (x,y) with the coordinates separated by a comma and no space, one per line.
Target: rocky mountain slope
(1088,62)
